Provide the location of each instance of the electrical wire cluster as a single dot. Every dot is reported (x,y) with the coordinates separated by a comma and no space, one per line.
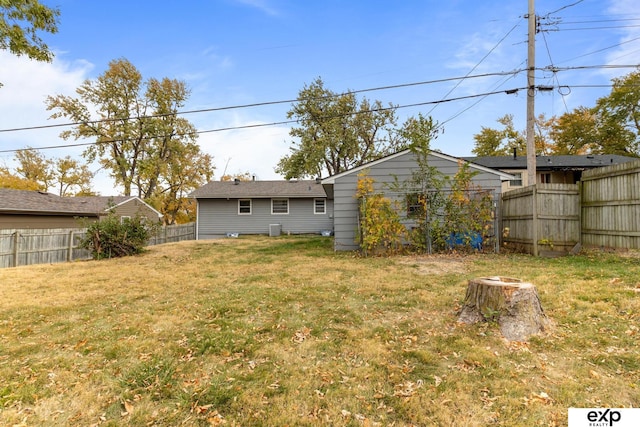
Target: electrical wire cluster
(546,23)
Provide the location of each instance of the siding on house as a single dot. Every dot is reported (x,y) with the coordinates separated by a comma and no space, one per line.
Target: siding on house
(24,221)
(385,172)
(218,217)
(122,206)
(218,210)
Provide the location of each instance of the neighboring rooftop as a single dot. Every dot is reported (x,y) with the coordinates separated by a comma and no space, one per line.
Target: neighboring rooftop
(259,189)
(25,201)
(574,162)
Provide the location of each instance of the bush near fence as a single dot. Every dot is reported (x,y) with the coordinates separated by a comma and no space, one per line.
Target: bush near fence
(47,246)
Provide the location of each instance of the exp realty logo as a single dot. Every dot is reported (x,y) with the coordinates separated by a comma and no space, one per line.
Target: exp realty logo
(604,417)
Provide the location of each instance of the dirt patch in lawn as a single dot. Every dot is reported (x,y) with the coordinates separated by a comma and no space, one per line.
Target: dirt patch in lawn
(437,264)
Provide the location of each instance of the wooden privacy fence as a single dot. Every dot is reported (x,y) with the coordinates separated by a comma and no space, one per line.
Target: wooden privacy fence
(542,217)
(602,210)
(47,246)
(611,206)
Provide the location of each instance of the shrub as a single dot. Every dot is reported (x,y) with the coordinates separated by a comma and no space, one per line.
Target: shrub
(111,237)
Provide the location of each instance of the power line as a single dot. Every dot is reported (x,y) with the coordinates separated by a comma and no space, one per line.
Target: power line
(601,50)
(476,66)
(564,7)
(262,104)
(510,91)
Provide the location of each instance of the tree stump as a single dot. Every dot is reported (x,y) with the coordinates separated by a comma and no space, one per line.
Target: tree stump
(512,303)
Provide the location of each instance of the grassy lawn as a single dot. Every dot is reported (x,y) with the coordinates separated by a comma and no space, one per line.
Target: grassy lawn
(283,331)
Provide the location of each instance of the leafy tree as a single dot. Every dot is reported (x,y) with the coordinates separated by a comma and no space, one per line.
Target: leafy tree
(574,132)
(34,166)
(20,22)
(9,180)
(71,178)
(381,232)
(618,117)
(493,142)
(139,137)
(242,176)
(337,132)
(184,173)
(66,175)
(423,190)
(502,142)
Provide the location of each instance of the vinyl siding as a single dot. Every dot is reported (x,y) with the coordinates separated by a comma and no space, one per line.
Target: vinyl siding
(132,207)
(217,217)
(42,221)
(385,173)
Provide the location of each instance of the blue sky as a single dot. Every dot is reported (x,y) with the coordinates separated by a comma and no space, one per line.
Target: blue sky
(238,52)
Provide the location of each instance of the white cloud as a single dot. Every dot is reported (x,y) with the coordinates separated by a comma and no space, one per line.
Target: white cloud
(254,150)
(627,52)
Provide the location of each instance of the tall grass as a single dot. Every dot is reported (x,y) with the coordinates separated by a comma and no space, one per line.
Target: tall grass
(283,331)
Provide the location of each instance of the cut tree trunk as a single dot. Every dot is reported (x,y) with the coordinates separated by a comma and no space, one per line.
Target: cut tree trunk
(512,303)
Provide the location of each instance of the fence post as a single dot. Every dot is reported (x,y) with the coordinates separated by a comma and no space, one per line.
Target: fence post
(70,247)
(16,240)
(534,223)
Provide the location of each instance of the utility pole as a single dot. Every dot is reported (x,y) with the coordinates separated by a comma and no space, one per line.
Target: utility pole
(531,118)
(531,92)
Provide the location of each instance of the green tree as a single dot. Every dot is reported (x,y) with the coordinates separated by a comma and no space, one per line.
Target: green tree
(34,166)
(502,142)
(618,117)
(20,23)
(138,136)
(337,132)
(71,178)
(493,142)
(574,132)
(66,175)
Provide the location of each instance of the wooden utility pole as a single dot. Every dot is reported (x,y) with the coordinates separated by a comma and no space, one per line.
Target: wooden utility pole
(531,89)
(531,118)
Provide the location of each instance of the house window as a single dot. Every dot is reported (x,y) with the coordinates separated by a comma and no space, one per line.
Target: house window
(319,206)
(244,207)
(545,178)
(516,182)
(279,206)
(415,207)
(125,219)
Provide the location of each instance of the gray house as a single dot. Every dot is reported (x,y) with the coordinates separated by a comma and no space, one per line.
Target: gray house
(342,187)
(262,207)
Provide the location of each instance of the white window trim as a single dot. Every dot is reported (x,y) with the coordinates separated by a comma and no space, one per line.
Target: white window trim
(511,182)
(250,206)
(324,206)
(279,213)
(124,218)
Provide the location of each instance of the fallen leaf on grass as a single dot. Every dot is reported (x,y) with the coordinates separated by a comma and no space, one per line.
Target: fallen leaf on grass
(301,335)
(542,397)
(407,389)
(128,408)
(215,419)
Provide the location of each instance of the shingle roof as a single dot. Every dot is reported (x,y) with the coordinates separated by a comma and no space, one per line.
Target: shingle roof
(101,203)
(259,189)
(551,162)
(23,201)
